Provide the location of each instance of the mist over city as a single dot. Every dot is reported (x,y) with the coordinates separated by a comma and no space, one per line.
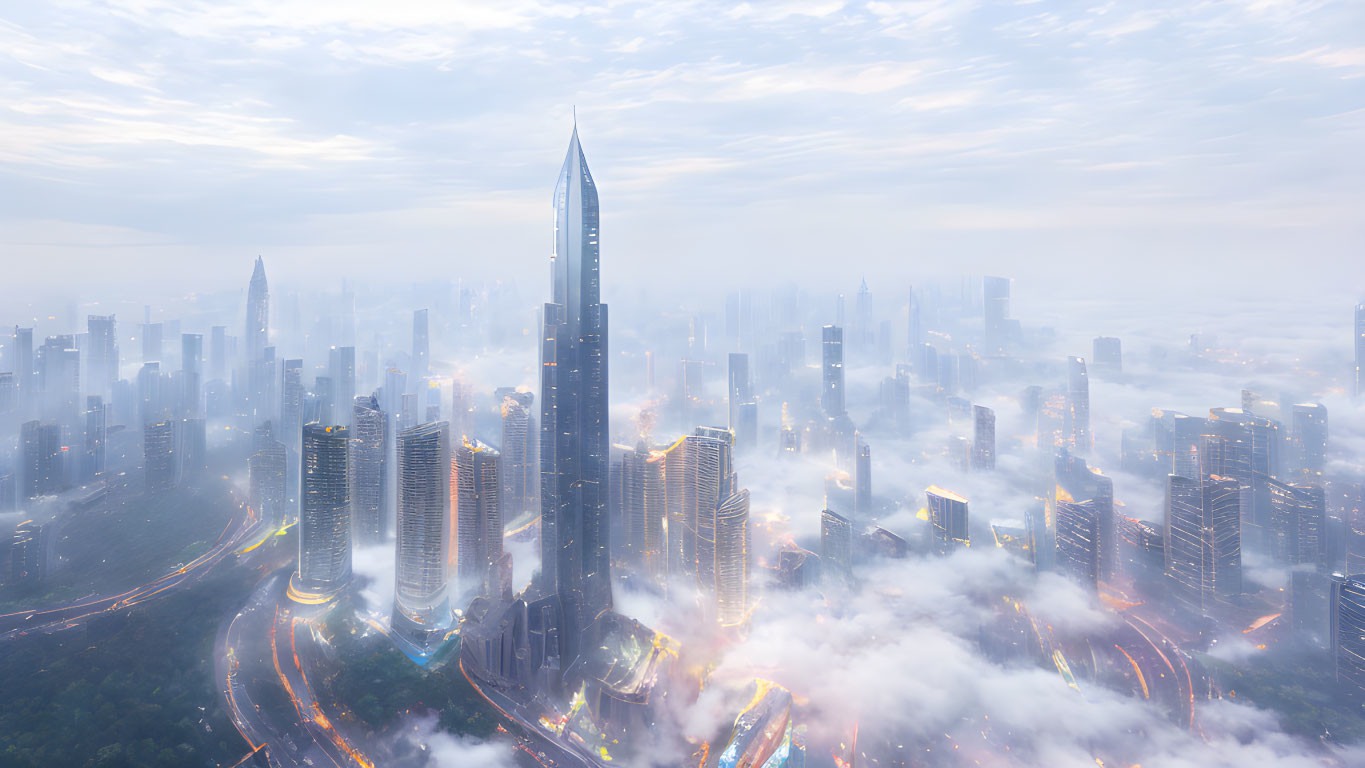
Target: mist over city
(774,385)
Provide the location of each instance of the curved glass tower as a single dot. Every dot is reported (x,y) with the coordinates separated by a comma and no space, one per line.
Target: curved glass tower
(575,558)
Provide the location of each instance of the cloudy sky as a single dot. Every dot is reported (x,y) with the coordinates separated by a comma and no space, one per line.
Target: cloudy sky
(395,140)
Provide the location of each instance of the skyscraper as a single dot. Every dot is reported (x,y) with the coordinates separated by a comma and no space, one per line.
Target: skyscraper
(1203,538)
(575,551)
(1308,440)
(478,516)
(996,310)
(644,511)
(102,360)
(1078,405)
(96,432)
(325,521)
(421,347)
(159,456)
(1360,348)
(1347,630)
(862,479)
(1078,541)
(1297,525)
(732,559)
(257,313)
(738,390)
(421,602)
(710,481)
(836,544)
(1107,356)
(520,478)
(341,365)
(42,473)
(983,438)
(21,355)
(267,474)
(369,454)
(192,373)
(947,520)
(832,366)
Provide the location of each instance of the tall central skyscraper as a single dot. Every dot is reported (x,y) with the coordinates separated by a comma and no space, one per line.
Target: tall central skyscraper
(575,556)
(257,313)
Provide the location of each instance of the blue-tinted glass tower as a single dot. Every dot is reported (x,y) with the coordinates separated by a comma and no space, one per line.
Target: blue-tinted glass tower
(575,556)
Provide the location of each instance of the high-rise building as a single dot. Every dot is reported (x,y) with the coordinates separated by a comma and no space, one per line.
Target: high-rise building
(710,480)
(96,435)
(1347,630)
(267,474)
(732,558)
(574,445)
(947,520)
(42,472)
(1308,440)
(739,390)
(832,367)
(341,366)
(21,357)
(324,566)
(862,479)
(421,600)
(59,378)
(1106,355)
(1203,538)
(291,405)
(160,461)
(218,355)
(369,454)
(192,374)
(1078,406)
(644,510)
(1360,348)
(1078,541)
(478,515)
(1297,525)
(996,310)
(151,342)
(102,362)
(983,438)
(421,347)
(520,457)
(257,313)
(836,544)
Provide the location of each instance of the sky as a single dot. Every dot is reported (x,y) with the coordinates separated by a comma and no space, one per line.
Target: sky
(1105,146)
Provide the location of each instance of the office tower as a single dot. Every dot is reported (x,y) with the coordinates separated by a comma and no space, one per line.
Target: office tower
(862,479)
(267,474)
(644,510)
(42,472)
(291,405)
(732,559)
(102,360)
(28,552)
(1078,541)
(149,393)
(983,438)
(193,451)
(1360,348)
(1308,440)
(21,355)
(996,310)
(160,462)
(738,390)
(575,551)
(1102,496)
(325,522)
(421,600)
(1347,629)
(947,520)
(710,480)
(218,353)
(1297,525)
(369,453)
(1078,406)
(96,431)
(59,378)
(192,372)
(836,544)
(461,409)
(341,378)
(1203,538)
(477,513)
(520,456)
(257,313)
(1106,355)
(151,342)
(421,347)
(832,357)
